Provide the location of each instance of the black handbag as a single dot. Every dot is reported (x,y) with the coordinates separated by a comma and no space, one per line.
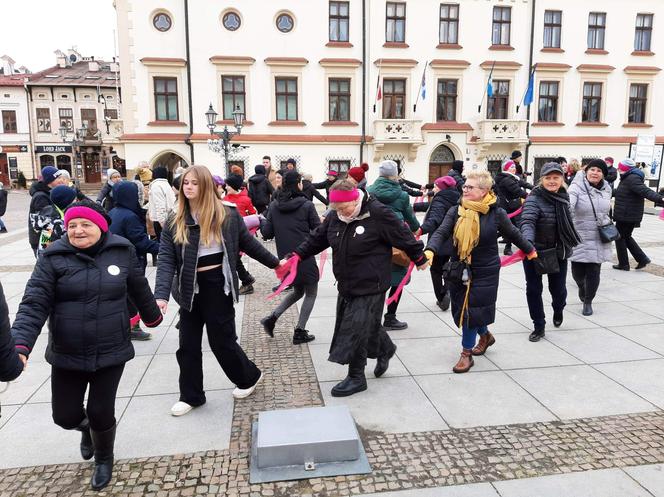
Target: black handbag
(453,271)
(547,262)
(607,232)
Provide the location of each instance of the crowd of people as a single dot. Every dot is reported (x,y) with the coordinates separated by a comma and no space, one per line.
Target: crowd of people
(89,280)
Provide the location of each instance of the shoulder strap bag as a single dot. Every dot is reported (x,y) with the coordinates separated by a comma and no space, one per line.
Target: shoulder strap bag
(607,232)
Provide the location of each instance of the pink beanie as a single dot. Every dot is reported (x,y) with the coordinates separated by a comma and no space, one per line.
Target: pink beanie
(445,182)
(626,164)
(79,211)
(509,164)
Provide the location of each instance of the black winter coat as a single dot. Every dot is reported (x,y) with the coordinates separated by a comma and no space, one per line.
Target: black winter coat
(260,190)
(509,191)
(290,221)
(3,201)
(10,365)
(411,188)
(362,249)
(105,197)
(460,180)
(310,192)
(441,202)
(324,185)
(485,264)
(84,299)
(176,259)
(629,195)
(41,197)
(539,224)
(612,175)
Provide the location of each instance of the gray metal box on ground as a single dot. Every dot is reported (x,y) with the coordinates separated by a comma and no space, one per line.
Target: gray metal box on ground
(306,443)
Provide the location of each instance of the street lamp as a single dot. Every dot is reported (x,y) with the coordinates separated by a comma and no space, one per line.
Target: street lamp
(77,140)
(223,141)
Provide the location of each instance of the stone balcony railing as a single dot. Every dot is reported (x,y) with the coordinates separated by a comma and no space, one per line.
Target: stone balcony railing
(502,131)
(98,136)
(397,131)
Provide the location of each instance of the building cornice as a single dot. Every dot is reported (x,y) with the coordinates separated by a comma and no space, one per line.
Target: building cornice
(163,61)
(395,62)
(444,63)
(509,65)
(447,126)
(232,60)
(339,62)
(552,67)
(642,70)
(595,68)
(289,138)
(286,61)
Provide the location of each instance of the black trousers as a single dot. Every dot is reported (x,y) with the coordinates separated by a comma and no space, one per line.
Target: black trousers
(68,392)
(534,289)
(242,272)
(213,309)
(439,286)
(586,275)
(157,229)
(392,308)
(626,242)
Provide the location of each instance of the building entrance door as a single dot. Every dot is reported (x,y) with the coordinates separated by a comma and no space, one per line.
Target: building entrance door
(92,168)
(438,169)
(440,162)
(4,170)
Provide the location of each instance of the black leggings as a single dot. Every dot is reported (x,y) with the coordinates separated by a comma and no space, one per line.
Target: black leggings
(213,309)
(586,275)
(68,391)
(392,308)
(439,286)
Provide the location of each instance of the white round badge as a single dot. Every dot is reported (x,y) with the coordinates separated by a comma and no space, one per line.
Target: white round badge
(113,270)
(359,230)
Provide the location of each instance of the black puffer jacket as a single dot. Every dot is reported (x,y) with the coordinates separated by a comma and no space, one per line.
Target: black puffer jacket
(260,190)
(539,225)
(508,191)
(85,300)
(310,192)
(290,221)
(176,259)
(41,197)
(612,175)
(485,266)
(10,365)
(460,180)
(629,195)
(362,249)
(105,197)
(440,203)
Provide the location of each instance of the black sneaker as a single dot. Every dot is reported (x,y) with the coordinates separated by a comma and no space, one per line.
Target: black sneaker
(268,324)
(392,323)
(139,335)
(621,268)
(557,318)
(302,336)
(3,230)
(247,289)
(643,264)
(537,335)
(445,303)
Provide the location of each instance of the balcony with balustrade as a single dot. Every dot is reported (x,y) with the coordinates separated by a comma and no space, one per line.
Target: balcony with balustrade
(398,131)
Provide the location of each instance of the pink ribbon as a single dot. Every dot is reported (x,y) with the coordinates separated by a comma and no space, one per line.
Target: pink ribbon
(515,213)
(508,260)
(286,274)
(321,264)
(403,282)
(135,320)
(661,214)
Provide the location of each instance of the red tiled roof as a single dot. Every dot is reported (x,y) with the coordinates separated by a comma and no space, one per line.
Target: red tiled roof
(13,80)
(77,74)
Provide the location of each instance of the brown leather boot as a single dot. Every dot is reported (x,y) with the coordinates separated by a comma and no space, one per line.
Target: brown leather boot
(465,362)
(486,341)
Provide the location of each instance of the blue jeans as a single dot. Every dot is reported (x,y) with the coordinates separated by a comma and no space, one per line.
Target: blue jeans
(534,289)
(2,225)
(469,335)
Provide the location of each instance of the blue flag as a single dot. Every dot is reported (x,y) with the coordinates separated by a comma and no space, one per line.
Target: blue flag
(423,85)
(489,88)
(528,97)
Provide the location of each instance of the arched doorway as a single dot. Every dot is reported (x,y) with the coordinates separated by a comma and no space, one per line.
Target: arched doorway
(63,162)
(46,160)
(440,162)
(170,160)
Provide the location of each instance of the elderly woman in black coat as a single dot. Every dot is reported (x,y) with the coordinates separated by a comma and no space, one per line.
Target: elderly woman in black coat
(473,272)
(80,284)
(546,221)
(361,232)
(445,197)
(290,219)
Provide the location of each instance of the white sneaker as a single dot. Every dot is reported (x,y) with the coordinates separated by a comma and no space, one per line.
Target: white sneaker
(180,408)
(241,393)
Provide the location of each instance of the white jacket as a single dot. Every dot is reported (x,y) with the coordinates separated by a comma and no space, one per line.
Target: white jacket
(162,200)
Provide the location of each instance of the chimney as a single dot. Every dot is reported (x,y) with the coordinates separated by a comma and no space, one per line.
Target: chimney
(93,66)
(61,58)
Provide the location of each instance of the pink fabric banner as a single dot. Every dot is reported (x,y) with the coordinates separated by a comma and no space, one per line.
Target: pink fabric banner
(321,264)
(515,213)
(508,260)
(286,274)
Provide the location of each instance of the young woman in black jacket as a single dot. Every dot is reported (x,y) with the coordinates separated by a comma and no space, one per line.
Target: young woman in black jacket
(445,197)
(290,219)
(361,232)
(546,221)
(507,186)
(200,246)
(80,284)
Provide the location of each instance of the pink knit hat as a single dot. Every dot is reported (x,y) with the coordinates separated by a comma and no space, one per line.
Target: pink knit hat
(445,182)
(508,165)
(82,212)
(626,164)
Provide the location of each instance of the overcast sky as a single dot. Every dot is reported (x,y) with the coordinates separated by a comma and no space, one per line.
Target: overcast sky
(33,29)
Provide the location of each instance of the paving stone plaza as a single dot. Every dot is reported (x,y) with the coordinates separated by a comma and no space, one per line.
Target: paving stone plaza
(577,414)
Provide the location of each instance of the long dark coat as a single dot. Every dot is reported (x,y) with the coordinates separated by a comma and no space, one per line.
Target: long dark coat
(629,197)
(485,264)
(290,221)
(84,299)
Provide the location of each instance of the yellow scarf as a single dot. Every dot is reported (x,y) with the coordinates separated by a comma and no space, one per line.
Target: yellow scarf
(467,229)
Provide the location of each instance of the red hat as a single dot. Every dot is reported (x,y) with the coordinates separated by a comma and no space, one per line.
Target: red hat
(357,173)
(508,164)
(608,160)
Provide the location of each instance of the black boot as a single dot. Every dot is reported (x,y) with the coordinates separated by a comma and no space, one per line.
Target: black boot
(87,451)
(302,336)
(353,383)
(444,304)
(537,334)
(582,293)
(268,324)
(557,318)
(392,323)
(587,308)
(103,442)
(383,363)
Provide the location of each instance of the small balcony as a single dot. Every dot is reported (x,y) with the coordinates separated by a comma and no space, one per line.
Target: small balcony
(397,131)
(502,131)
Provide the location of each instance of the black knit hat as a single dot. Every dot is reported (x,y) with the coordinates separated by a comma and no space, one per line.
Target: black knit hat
(62,196)
(292,178)
(457,165)
(599,164)
(234,181)
(259,169)
(516,154)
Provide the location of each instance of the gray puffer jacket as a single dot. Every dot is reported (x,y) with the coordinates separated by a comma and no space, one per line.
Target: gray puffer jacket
(591,248)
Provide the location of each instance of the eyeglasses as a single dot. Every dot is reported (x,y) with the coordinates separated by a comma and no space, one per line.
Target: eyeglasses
(470,187)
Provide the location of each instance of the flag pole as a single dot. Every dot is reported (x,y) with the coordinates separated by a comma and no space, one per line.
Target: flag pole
(377,86)
(479,107)
(419,89)
(531,73)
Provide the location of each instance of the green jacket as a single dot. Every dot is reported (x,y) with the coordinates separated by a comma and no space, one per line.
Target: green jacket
(389,192)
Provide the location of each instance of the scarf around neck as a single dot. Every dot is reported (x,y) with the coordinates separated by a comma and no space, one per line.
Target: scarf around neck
(567,233)
(355,213)
(467,229)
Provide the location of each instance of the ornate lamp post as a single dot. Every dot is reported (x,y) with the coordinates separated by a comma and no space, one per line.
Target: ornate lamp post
(223,141)
(77,140)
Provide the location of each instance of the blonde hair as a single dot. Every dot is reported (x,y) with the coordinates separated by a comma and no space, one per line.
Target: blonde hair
(573,165)
(483,178)
(210,212)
